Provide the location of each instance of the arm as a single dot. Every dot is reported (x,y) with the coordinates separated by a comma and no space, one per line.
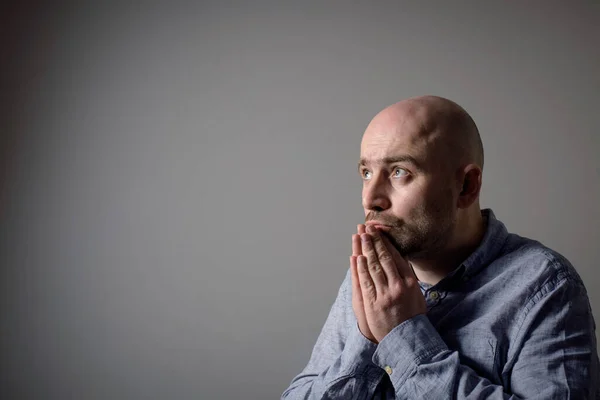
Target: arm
(552,357)
(556,345)
(340,366)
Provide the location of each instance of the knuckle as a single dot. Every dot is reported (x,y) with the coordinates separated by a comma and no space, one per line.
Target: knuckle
(396,288)
(385,300)
(395,296)
(369,251)
(375,267)
(366,283)
(372,302)
(410,282)
(378,309)
(383,305)
(385,257)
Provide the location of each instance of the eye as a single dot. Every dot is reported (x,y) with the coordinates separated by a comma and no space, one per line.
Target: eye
(365,174)
(400,172)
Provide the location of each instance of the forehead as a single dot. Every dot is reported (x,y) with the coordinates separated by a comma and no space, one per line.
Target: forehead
(389,139)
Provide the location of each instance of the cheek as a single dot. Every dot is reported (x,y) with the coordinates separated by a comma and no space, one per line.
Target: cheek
(407,203)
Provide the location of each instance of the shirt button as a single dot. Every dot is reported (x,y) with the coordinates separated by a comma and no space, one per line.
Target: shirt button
(388,369)
(434,295)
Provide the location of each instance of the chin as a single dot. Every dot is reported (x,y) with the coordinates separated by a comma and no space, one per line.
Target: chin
(405,250)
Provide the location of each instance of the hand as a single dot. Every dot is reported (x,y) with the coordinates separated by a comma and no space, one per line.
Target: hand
(390,290)
(357,298)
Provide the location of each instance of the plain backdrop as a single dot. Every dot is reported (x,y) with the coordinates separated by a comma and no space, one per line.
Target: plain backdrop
(179,181)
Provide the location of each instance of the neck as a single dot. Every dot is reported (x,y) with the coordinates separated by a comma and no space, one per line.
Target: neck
(467,236)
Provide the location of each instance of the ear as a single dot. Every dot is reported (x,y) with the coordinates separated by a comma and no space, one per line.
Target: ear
(471,186)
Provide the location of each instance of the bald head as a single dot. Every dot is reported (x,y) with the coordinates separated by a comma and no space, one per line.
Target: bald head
(443,126)
(420,163)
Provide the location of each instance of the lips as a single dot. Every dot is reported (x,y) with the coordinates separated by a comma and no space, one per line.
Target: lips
(378,225)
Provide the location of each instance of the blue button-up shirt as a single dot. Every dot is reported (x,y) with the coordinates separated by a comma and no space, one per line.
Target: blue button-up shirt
(512,321)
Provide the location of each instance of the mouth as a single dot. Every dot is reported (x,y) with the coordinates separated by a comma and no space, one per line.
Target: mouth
(379,226)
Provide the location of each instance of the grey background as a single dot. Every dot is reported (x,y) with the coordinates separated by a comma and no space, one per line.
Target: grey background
(179,182)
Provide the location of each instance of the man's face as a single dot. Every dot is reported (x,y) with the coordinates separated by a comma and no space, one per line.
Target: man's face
(407,187)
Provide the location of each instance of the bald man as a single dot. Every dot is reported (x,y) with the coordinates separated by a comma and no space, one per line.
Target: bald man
(440,301)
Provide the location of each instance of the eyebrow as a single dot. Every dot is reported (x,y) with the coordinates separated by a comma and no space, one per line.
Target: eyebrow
(392,160)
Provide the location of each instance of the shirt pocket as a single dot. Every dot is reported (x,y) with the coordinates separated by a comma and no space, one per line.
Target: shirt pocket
(478,350)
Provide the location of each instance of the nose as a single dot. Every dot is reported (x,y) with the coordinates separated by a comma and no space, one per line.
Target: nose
(375,195)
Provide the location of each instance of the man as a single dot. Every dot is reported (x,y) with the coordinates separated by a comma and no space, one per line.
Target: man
(440,301)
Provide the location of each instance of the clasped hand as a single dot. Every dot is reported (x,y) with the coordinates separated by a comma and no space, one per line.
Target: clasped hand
(385,290)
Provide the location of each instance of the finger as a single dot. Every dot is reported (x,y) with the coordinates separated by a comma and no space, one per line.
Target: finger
(367,287)
(356,246)
(402,266)
(358,304)
(361,229)
(386,260)
(355,282)
(375,269)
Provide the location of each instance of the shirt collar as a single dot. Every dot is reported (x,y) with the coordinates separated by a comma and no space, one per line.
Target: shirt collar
(488,250)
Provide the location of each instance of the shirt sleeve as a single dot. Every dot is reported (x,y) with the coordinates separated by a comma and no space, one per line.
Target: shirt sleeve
(553,357)
(340,366)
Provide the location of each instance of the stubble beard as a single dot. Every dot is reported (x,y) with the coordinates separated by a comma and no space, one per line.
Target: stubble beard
(421,241)
(427,233)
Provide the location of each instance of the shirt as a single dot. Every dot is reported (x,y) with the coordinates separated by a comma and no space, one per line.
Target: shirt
(512,321)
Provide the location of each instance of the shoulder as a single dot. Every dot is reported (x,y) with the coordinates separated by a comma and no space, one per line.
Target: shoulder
(528,262)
